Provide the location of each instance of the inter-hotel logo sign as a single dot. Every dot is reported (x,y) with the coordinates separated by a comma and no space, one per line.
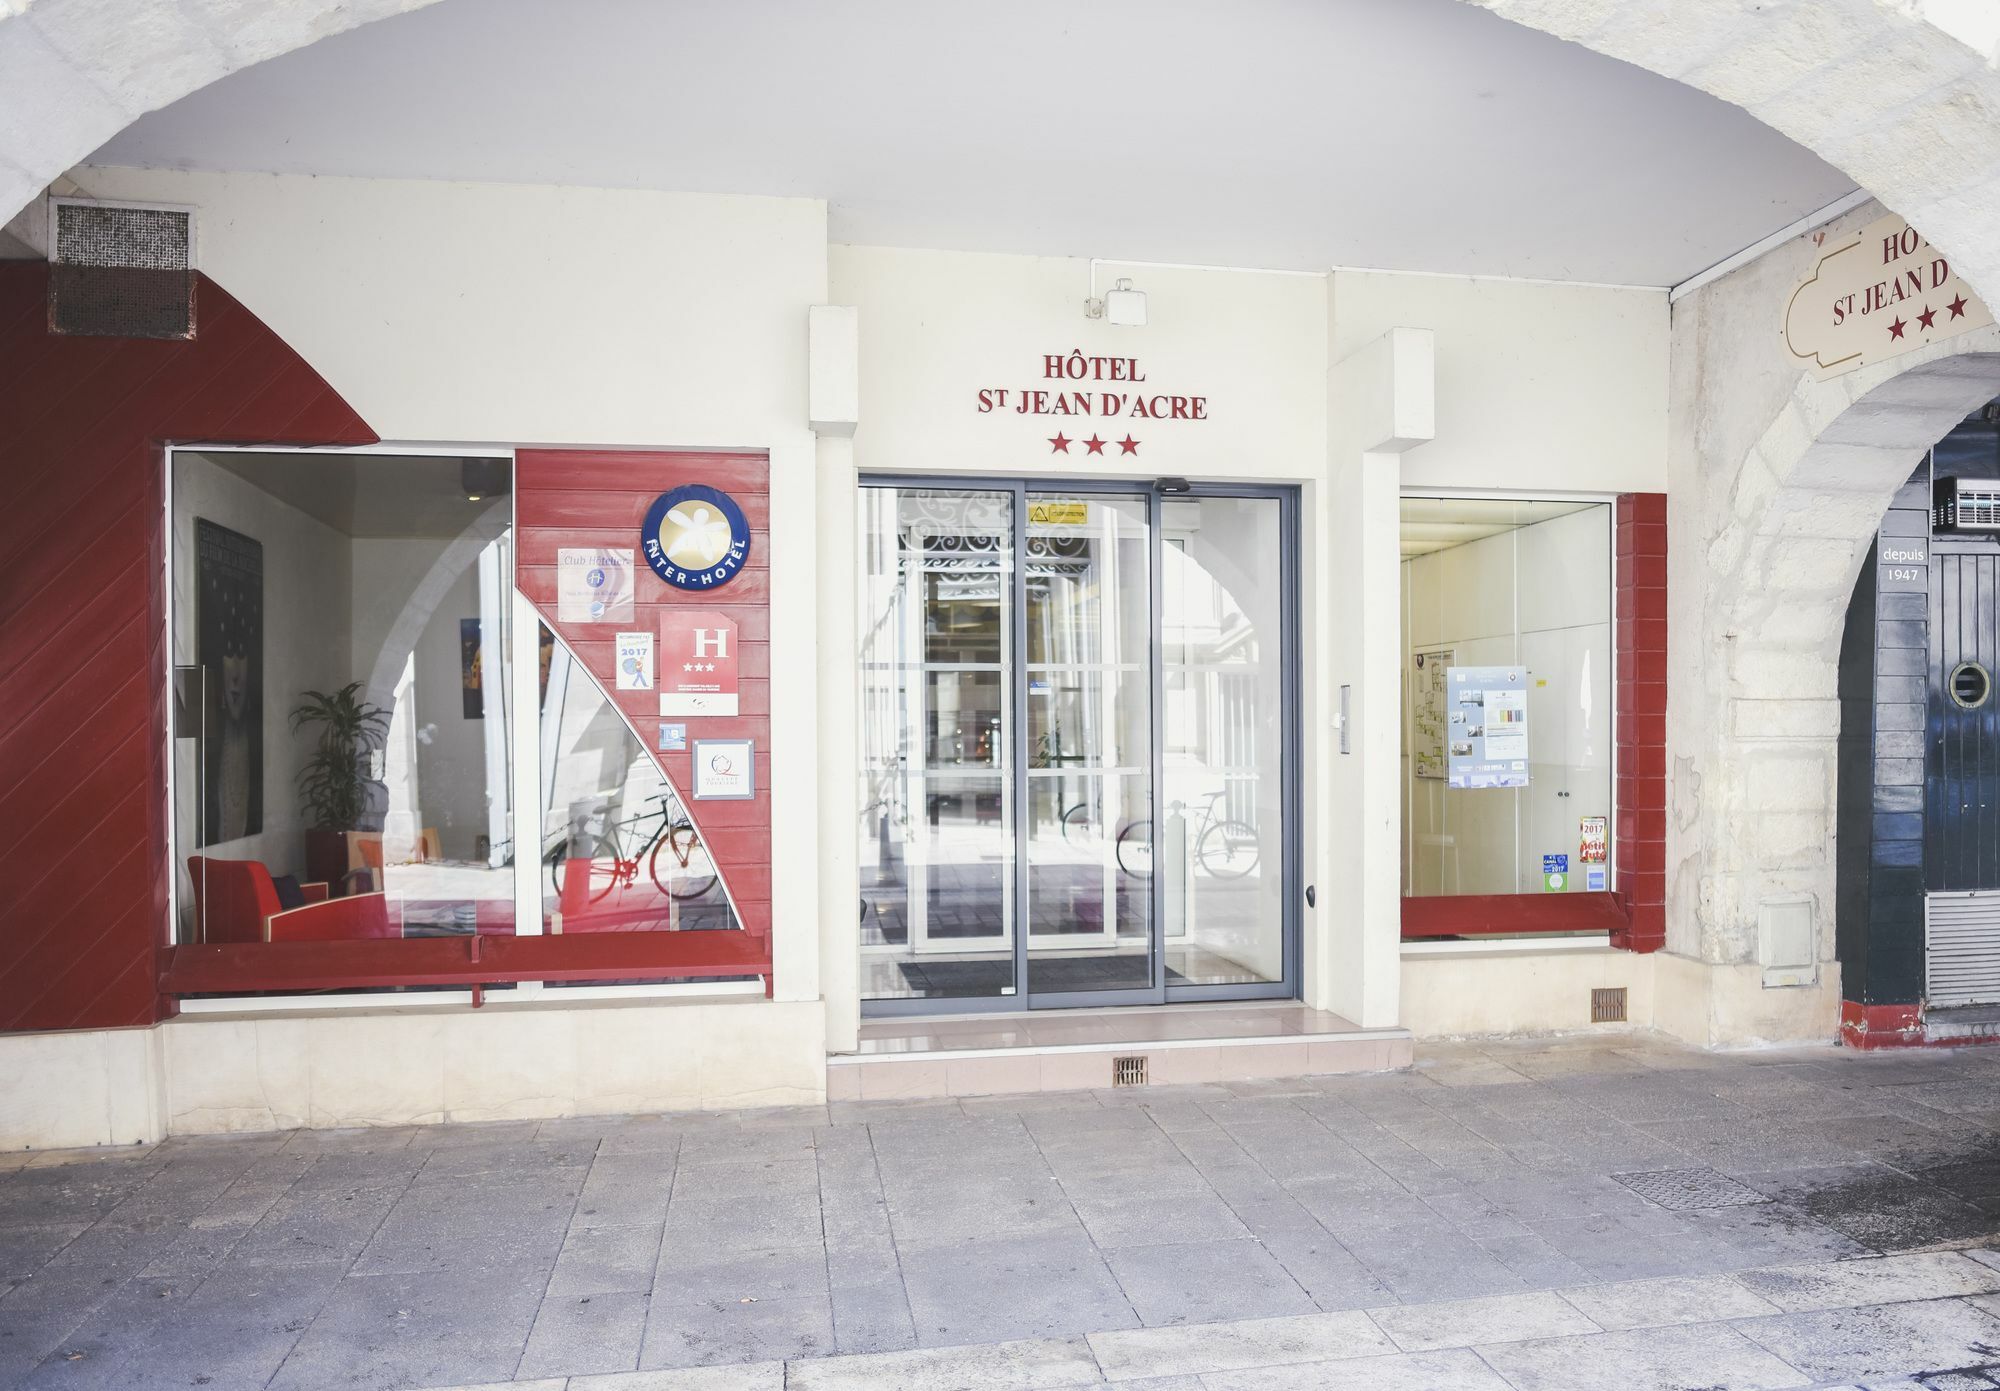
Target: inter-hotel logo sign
(1878,293)
(1097,407)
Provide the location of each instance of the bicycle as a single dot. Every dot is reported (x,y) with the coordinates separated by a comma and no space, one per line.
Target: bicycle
(1225,848)
(673,837)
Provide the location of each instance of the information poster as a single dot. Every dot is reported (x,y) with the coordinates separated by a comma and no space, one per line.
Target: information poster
(593,585)
(1486,729)
(1427,710)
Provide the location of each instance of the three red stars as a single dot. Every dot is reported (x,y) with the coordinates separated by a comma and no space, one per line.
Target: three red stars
(1059,444)
(1896,329)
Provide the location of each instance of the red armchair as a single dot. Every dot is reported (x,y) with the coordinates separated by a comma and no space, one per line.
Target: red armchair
(347,919)
(235,899)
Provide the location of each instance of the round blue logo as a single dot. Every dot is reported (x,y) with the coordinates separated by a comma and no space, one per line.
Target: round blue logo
(696,537)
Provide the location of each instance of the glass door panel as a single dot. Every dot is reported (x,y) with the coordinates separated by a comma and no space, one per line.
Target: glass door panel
(1089,704)
(936,840)
(1220,855)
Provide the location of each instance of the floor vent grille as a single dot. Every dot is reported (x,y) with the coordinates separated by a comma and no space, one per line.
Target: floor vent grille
(1128,1072)
(1607,1005)
(1686,1190)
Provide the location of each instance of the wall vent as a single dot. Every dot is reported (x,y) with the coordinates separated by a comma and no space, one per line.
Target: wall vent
(1607,1005)
(120,270)
(1128,1072)
(1965,504)
(1962,949)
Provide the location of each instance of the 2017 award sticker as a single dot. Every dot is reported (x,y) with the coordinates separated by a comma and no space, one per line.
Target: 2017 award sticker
(635,661)
(593,585)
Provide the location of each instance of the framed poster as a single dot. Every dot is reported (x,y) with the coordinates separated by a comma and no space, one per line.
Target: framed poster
(229,649)
(725,770)
(1427,713)
(1486,727)
(472,693)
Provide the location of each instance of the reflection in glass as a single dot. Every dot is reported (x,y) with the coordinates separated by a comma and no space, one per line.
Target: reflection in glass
(618,850)
(936,830)
(1090,726)
(1219,850)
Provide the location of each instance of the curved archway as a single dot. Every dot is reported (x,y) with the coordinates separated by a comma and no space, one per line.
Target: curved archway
(1754,717)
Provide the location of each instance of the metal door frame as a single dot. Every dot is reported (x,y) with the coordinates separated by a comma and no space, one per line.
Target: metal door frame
(1291,741)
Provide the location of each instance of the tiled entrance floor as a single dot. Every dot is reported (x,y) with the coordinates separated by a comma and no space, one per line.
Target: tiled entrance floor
(1069,1050)
(458,1255)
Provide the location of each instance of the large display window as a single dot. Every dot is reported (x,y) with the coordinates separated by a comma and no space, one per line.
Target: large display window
(1507,646)
(421,724)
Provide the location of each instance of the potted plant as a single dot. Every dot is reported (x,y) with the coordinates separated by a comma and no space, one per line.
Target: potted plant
(333,785)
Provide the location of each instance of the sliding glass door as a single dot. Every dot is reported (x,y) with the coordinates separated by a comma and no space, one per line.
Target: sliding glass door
(1078,718)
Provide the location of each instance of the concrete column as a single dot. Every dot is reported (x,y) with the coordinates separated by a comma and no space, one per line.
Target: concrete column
(834,409)
(1382,402)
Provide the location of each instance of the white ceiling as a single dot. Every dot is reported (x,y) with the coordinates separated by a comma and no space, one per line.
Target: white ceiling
(1439,523)
(379,496)
(1406,134)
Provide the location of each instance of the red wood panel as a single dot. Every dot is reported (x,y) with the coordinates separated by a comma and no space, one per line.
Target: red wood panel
(379,964)
(600,498)
(82,671)
(1639,552)
(1635,911)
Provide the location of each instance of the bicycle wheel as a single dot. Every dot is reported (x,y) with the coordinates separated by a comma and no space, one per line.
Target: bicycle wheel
(1135,848)
(686,872)
(1227,849)
(601,851)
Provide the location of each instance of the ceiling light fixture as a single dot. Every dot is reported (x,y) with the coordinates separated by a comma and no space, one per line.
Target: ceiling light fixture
(483,478)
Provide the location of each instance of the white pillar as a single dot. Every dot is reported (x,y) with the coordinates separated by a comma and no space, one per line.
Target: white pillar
(834,377)
(1381,402)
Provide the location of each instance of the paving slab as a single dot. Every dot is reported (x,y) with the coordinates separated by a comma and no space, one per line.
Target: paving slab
(1880,1342)
(1652,1359)
(1459,1370)
(1194,1349)
(1627,1304)
(1877,1280)
(1018,1363)
(1464,1323)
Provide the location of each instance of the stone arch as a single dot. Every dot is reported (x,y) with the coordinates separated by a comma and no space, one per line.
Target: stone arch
(1755,718)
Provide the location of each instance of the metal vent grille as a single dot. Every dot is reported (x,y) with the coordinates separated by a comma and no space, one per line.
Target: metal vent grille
(1963,504)
(123,272)
(1607,1005)
(1962,948)
(1128,1072)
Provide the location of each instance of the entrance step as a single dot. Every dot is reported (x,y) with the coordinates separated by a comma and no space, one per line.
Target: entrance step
(1072,1050)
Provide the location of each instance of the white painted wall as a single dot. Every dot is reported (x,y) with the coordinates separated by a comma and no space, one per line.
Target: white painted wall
(1541,387)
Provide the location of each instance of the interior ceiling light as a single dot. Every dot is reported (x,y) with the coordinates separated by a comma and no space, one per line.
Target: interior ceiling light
(482,478)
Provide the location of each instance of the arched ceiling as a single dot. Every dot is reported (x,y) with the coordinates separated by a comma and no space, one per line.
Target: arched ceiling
(1404,134)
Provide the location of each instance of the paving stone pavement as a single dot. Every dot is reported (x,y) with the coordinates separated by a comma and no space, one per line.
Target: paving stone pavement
(1591,1213)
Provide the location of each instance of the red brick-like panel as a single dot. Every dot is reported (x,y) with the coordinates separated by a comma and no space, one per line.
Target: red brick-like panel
(1639,549)
(83,914)
(600,498)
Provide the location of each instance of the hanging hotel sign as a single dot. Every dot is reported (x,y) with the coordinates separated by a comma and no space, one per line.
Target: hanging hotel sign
(696,537)
(1097,399)
(697,663)
(1874,295)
